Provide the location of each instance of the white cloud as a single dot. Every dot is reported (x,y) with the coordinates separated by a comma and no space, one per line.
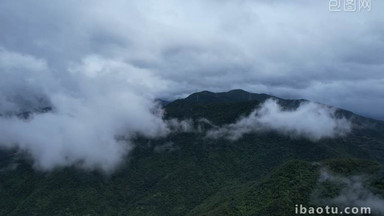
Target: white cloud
(26,74)
(310,120)
(296,48)
(13,60)
(182,126)
(107,100)
(354,193)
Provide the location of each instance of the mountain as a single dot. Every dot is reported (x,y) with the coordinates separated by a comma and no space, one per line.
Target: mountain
(233,96)
(187,174)
(223,107)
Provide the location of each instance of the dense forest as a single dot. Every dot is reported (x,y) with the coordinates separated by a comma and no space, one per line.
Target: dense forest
(186,173)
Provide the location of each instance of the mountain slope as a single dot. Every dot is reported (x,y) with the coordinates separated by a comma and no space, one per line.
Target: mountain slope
(196,175)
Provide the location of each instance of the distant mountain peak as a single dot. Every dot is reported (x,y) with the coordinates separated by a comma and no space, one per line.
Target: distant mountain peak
(232,96)
(238,91)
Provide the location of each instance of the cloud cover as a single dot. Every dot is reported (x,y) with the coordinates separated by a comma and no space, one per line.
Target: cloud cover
(91,124)
(290,49)
(100,64)
(310,120)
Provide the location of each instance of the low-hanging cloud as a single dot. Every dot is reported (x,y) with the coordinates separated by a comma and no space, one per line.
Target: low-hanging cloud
(180,126)
(310,120)
(98,110)
(354,192)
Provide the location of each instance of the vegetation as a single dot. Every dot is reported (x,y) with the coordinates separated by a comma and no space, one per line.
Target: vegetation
(260,174)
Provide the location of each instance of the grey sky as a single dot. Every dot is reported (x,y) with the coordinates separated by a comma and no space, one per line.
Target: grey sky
(170,48)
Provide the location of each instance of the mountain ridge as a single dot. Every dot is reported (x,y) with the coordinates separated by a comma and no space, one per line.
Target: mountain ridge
(207,98)
(259,174)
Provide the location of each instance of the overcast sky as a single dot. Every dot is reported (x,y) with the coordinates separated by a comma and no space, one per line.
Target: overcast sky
(295,48)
